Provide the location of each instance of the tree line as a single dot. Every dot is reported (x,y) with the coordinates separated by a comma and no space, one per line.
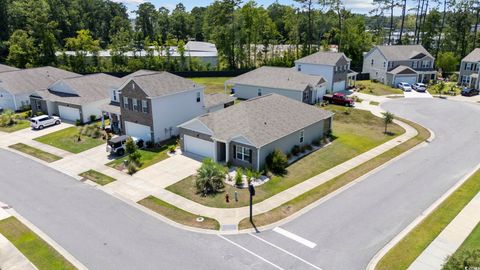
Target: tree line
(246,34)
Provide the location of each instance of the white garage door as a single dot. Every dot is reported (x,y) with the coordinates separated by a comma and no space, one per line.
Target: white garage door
(138,131)
(339,86)
(408,79)
(198,146)
(68,113)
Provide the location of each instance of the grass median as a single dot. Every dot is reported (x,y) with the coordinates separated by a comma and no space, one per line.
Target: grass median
(39,252)
(403,254)
(319,192)
(97,177)
(34,152)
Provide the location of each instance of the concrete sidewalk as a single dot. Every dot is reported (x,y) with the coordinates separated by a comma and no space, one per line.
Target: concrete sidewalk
(450,239)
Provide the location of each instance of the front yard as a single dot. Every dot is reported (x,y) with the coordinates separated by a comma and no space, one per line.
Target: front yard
(11,122)
(354,132)
(377,89)
(97,177)
(212,84)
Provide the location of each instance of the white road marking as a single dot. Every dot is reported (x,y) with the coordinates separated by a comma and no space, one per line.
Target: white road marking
(294,237)
(288,252)
(251,252)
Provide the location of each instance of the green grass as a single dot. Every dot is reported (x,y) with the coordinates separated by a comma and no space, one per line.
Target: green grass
(66,139)
(414,243)
(472,242)
(40,253)
(148,157)
(319,192)
(356,133)
(377,89)
(20,124)
(34,152)
(213,84)
(97,177)
(374,103)
(178,215)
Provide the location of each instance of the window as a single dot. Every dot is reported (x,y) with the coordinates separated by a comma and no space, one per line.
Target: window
(425,64)
(299,68)
(384,64)
(135,104)
(302,133)
(125,102)
(144,106)
(259,92)
(336,69)
(198,96)
(414,64)
(39,105)
(371,63)
(114,95)
(243,153)
(468,66)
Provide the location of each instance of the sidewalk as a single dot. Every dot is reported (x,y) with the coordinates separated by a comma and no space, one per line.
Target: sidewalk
(450,239)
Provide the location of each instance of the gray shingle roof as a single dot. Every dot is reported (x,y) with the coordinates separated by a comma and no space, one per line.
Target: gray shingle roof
(264,119)
(26,81)
(401,69)
(212,100)
(277,77)
(163,83)
(5,68)
(323,58)
(402,52)
(139,73)
(473,56)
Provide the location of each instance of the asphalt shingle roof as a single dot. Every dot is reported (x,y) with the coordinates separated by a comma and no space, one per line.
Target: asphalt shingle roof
(212,100)
(473,56)
(323,58)
(277,77)
(163,83)
(402,52)
(400,69)
(5,68)
(264,119)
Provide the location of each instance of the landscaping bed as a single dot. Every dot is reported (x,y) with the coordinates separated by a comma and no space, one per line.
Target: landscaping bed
(375,88)
(39,252)
(178,215)
(354,132)
(97,177)
(11,122)
(34,152)
(212,84)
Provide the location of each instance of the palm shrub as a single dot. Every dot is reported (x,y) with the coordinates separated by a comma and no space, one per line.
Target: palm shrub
(209,177)
(7,118)
(239,177)
(387,119)
(249,174)
(277,162)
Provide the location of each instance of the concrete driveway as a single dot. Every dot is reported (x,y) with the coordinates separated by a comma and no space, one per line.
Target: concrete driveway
(415,94)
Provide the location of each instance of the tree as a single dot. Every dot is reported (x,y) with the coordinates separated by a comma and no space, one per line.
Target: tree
(130,146)
(210,177)
(387,119)
(309,7)
(82,44)
(146,20)
(404,7)
(21,49)
(277,162)
(180,22)
(447,61)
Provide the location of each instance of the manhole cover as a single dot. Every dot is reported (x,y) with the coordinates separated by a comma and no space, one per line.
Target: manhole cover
(200,219)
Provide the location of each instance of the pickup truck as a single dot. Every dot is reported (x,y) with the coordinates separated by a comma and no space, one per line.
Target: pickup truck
(339,99)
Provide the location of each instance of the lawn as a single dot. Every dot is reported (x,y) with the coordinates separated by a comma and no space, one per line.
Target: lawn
(148,156)
(67,139)
(213,84)
(377,89)
(374,103)
(317,193)
(20,124)
(414,243)
(40,253)
(178,215)
(355,133)
(97,177)
(34,152)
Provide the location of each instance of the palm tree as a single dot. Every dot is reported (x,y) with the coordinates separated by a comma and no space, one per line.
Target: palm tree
(210,177)
(387,119)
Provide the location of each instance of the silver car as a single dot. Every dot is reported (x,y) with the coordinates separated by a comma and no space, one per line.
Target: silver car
(419,87)
(406,87)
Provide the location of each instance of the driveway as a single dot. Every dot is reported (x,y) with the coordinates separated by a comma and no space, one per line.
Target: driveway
(415,94)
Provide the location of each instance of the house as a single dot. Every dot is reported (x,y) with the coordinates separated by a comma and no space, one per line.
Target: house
(245,133)
(78,98)
(392,64)
(5,68)
(469,69)
(218,101)
(333,66)
(16,86)
(283,81)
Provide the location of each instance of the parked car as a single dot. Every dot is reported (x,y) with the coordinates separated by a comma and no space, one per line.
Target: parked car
(468,92)
(40,122)
(419,87)
(339,99)
(404,86)
(116,146)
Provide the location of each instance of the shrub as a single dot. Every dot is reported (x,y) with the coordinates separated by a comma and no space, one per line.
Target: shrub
(289,155)
(229,164)
(172,148)
(296,150)
(96,133)
(303,148)
(130,146)
(239,177)
(135,158)
(78,122)
(150,144)
(93,118)
(277,162)
(256,174)
(317,142)
(131,168)
(210,176)
(308,147)
(467,259)
(249,174)
(38,113)
(348,111)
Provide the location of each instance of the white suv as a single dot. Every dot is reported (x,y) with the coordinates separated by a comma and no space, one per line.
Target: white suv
(42,121)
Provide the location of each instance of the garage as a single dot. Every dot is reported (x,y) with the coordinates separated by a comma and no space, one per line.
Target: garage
(198,146)
(138,131)
(411,79)
(339,86)
(69,113)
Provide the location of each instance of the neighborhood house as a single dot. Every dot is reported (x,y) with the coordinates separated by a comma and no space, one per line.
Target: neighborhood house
(469,69)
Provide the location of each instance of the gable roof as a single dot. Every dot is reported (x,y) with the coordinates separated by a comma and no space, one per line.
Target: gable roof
(5,68)
(262,120)
(163,83)
(323,58)
(199,46)
(277,77)
(473,56)
(402,70)
(26,81)
(139,72)
(212,100)
(402,52)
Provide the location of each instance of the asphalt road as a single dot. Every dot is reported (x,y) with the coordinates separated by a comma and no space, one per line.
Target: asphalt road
(106,233)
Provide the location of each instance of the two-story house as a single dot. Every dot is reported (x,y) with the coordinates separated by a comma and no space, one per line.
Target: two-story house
(469,69)
(334,67)
(392,64)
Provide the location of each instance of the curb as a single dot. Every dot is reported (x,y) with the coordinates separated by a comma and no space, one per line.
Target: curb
(381,253)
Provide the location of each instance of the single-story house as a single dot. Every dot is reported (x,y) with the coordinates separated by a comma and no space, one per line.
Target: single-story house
(16,86)
(76,98)
(279,80)
(245,133)
(5,68)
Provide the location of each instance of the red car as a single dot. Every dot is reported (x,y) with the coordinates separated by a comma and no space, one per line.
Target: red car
(339,99)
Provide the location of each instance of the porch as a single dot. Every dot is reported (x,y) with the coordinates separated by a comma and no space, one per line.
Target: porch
(112,112)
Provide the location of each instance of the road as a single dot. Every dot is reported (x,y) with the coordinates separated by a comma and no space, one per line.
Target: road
(347,230)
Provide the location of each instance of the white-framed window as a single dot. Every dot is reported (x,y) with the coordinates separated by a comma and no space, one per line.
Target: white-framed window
(468,66)
(302,136)
(371,63)
(336,69)
(414,64)
(242,153)
(39,105)
(259,92)
(135,104)
(114,95)
(425,64)
(198,96)
(144,106)
(299,68)
(384,64)
(125,102)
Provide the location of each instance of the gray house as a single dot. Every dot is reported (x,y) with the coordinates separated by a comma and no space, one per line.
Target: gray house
(245,133)
(283,81)
(469,69)
(392,64)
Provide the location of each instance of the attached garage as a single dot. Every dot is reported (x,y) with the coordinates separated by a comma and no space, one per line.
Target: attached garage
(68,113)
(138,131)
(198,146)
(339,86)
(401,74)
(411,79)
